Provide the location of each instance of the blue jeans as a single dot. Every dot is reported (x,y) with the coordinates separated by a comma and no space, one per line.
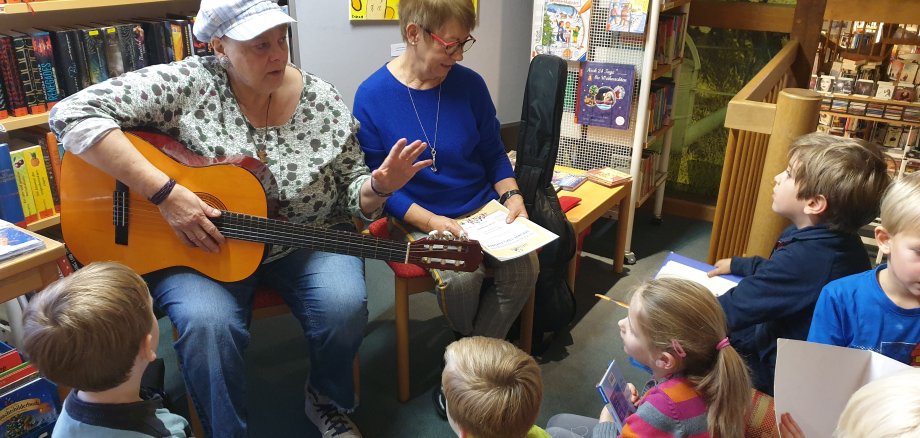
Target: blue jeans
(325,292)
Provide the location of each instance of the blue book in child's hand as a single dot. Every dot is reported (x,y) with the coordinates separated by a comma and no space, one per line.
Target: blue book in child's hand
(615,393)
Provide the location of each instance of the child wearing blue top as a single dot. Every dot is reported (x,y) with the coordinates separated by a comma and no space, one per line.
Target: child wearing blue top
(831,188)
(879,310)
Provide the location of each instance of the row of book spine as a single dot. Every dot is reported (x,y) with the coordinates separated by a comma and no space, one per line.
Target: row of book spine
(660,102)
(671,30)
(648,171)
(39,67)
(29,170)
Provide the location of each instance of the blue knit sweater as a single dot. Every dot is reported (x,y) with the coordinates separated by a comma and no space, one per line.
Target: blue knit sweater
(470,154)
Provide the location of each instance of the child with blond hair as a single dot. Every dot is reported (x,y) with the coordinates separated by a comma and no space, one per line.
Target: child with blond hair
(879,309)
(830,189)
(95,332)
(700,386)
(493,389)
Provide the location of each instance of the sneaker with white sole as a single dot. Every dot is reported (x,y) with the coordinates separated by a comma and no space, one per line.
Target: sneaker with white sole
(328,418)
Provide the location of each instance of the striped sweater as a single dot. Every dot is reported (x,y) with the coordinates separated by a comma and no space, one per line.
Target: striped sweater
(672,408)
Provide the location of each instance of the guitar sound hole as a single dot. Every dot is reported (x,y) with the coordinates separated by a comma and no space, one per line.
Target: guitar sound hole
(212,200)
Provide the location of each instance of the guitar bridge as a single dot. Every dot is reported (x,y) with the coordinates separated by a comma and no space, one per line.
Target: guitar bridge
(120,209)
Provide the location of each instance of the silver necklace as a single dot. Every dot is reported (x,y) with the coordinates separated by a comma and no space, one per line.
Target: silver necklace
(437,116)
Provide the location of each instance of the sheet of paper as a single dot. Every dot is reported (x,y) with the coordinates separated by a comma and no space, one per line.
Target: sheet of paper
(502,240)
(815,381)
(717,285)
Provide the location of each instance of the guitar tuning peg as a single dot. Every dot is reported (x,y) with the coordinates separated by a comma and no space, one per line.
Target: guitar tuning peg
(434,234)
(464,237)
(448,235)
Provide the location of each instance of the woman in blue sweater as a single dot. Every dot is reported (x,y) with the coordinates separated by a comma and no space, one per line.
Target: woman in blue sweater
(424,94)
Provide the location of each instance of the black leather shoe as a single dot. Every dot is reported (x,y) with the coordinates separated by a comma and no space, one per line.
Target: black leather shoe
(440,403)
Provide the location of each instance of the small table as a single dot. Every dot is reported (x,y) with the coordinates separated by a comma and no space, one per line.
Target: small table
(595,201)
(31,271)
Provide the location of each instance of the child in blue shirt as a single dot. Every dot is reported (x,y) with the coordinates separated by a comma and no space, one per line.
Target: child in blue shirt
(831,188)
(95,332)
(879,310)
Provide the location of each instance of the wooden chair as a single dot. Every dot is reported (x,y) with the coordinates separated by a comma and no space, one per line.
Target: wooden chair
(412,279)
(266,303)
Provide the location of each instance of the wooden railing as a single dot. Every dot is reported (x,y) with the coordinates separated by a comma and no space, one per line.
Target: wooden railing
(762,119)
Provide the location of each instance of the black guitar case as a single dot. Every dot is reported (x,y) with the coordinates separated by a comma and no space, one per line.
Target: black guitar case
(538,142)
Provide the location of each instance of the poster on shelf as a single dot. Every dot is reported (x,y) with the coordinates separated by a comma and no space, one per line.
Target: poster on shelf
(560,27)
(627,16)
(387,10)
(605,94)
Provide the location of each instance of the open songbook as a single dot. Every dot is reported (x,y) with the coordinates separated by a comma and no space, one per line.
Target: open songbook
(502,240)
(676,265)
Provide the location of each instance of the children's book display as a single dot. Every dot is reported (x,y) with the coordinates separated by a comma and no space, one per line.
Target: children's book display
(608,176)
(815,381)
(616,395)
(678,266)
(29,404)
(560,27)
(567,181)
(627,16)
(14,241)
(605,94)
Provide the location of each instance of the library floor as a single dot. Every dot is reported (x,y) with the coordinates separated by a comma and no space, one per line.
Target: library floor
(277,362)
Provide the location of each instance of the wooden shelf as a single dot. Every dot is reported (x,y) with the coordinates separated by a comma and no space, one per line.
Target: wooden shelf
(63,5)
(656,134)
(12,123)
(663,69)
(660,179)
(873,119)
(47,222)
(668,5)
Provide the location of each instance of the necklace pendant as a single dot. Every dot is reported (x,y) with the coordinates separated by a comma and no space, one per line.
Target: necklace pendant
(434,167)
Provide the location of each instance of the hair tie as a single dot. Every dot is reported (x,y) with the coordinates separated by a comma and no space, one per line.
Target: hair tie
(722,344)
(678,348)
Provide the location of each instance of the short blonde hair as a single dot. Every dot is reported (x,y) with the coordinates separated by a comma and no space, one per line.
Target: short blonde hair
(432,14)
(677,311)
(901,205)
(851,174)
(85,330)
(492,388)
(885,408)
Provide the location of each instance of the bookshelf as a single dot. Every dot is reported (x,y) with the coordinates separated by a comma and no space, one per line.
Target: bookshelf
(67,12)
(643,149)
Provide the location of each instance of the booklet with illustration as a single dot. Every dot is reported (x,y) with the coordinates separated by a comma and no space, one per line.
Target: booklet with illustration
(502,240)
(615,394)
(15,241)
(676,265)
(815,381)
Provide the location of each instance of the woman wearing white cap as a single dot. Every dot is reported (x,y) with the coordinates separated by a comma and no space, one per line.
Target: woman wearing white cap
(247,100)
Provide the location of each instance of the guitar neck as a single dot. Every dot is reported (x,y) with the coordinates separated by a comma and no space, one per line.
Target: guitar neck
(276,232)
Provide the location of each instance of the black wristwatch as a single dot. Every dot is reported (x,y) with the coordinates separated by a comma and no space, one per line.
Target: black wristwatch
(507,195)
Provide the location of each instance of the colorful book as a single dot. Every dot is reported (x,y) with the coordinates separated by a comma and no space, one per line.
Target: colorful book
(24,186)
(94,48)
(13,242)
(10,205)
(114,58)
(29,74)
(884,90)
(608,176)
(29,408)
(9,360)
(16,97)
(44,61)
(567,181)
(4,107)
(627,16)
(38,178)
(605,94)
(616,395)
(65,44)
(560,27)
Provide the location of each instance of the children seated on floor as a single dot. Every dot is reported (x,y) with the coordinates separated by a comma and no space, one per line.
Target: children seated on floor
(95,332)
(830,189)
(700,386)
(492,388)
(879,309)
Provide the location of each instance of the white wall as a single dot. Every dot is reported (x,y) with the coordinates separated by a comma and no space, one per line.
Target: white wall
(345,52)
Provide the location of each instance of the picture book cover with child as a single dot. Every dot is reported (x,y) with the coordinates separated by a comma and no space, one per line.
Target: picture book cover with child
(560,27)
(628,16)
(605,94)
(615,394)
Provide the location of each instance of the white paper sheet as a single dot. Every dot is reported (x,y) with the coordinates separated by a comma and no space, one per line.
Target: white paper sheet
(502,240)
(717,285)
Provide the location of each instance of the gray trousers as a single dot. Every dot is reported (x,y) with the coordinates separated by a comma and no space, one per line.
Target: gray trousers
(470,310)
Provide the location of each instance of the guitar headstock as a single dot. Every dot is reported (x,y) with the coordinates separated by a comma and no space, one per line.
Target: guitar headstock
(446,252)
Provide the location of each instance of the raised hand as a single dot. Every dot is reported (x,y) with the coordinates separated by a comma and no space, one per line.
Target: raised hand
(399,166)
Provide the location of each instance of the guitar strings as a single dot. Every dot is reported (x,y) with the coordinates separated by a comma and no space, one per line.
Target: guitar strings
(340,241)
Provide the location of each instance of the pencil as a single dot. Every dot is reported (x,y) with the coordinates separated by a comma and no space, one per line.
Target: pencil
(617,302)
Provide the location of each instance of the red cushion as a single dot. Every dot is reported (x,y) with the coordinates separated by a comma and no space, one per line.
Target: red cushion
(379,228)
(266,297)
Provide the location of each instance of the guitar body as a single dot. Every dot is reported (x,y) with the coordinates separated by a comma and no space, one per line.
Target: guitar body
(87,196)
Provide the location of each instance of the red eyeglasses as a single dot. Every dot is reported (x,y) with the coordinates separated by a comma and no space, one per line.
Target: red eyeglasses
(451,47)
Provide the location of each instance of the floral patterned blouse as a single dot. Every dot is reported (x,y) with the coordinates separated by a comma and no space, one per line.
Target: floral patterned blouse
(314,157)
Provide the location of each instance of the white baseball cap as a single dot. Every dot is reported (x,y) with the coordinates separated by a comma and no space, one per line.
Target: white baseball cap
(241,20)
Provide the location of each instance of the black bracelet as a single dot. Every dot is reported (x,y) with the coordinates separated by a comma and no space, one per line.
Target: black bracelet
(507,195)
(379,193)
(163,193)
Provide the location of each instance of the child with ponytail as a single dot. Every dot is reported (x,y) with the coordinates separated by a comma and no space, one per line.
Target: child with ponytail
(700,386)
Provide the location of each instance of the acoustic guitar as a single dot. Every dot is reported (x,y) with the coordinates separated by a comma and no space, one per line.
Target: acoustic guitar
(102,219)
